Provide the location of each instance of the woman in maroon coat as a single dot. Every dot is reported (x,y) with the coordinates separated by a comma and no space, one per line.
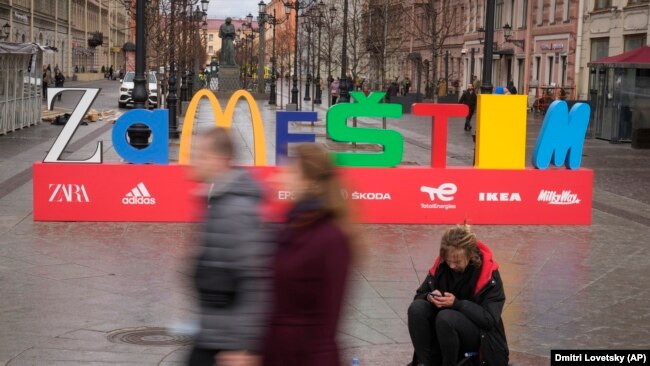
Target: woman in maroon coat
(311,266)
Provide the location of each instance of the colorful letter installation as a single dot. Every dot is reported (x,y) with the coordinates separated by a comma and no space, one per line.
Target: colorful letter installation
(158,150)
(440,114)
(562,136)
(503,193)
(363,106)
(282,135)
(501,131)
(223,118)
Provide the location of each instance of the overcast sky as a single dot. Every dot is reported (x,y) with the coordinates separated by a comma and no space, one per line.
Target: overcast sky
(232,8)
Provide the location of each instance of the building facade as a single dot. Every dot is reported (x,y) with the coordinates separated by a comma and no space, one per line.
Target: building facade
(610,27)
(534,45)
(87,34)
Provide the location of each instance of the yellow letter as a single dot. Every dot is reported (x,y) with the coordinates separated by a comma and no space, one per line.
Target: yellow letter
(501,131)
(223,119)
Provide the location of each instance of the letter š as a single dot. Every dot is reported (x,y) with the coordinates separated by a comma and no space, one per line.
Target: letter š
(370,106)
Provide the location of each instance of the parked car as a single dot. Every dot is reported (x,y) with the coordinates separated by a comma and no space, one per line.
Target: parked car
(127,88)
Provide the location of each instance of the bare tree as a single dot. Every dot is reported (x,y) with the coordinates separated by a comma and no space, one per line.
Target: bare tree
(357,50)
(383,39)
(433,23)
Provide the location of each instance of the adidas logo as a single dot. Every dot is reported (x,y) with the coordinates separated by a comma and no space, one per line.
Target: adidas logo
(139,196)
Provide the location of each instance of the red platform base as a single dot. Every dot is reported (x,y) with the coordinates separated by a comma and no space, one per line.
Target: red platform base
(162,193)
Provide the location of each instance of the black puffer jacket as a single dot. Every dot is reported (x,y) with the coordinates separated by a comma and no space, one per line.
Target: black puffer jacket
(232,268)
(484,309)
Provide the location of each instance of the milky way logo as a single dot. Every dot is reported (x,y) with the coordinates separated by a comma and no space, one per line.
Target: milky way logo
(555,198)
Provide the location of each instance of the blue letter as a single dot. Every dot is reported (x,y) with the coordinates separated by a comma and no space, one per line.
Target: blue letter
(158,150)
(562,136)
(282,135)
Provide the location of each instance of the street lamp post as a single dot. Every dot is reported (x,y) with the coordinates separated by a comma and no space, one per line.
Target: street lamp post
(273,93)
(294,89)
(319,88)
(307,27)
(296,5)
(139,133)
(344,94)
(261,20)
(172,99)
(273,97)
(330,78)
(196,18)
(486,86)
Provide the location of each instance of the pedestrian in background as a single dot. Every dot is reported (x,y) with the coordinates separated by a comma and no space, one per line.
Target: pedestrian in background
(442,88)
(231,269)
(59,80)
(476,83)
(47,80)
(335,90)
(511,88)
(406,85)
(469,99)
(311,266)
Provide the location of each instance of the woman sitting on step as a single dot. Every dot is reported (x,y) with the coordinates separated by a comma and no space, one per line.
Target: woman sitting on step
(457,309)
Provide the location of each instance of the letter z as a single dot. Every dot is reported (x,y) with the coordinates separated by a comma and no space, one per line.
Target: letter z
(62,141)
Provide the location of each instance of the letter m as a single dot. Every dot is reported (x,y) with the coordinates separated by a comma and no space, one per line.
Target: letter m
(562,136)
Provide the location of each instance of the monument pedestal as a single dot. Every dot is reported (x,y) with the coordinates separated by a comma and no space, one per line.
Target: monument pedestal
(229,78)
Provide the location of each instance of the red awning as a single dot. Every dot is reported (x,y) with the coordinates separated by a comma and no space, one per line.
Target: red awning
(629,59)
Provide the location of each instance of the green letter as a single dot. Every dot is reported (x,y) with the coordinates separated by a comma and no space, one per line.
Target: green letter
(371,106)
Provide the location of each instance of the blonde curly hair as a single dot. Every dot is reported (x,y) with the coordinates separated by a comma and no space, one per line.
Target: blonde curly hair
(461,237)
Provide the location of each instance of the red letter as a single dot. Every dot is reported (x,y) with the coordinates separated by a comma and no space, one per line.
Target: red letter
(441,112)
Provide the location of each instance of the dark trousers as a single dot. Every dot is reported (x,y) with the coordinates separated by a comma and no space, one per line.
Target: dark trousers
(468,119)
(202,357)
(334,99)
(440,336)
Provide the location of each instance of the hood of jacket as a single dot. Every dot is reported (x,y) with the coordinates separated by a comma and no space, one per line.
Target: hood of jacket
(488,266)
(235,182)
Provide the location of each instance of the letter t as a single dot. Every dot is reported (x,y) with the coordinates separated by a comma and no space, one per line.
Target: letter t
(440,114)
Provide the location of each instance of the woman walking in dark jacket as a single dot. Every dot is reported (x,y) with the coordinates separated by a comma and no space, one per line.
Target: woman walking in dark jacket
(311,266)
(457,309)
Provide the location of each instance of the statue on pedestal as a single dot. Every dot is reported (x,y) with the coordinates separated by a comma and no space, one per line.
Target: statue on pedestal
(227,35)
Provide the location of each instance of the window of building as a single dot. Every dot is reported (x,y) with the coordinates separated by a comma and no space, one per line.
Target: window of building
(552,9)
(476,21)
(549,70)
(599,48)
(210,50)
(565,10)
(476,16)
(468,17)
(634,41)
(602,4)
(538,65)
(523,14)
(540,12)
(634,2)
(512,13)
(498,15)
(564,73)
(211,37)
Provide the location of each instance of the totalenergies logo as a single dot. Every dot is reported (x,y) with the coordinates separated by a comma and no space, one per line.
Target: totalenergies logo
(500,144)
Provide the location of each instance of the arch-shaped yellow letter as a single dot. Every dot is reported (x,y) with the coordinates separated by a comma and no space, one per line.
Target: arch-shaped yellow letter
(223,119)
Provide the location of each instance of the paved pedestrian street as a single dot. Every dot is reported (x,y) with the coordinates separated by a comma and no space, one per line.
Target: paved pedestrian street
(68,288)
